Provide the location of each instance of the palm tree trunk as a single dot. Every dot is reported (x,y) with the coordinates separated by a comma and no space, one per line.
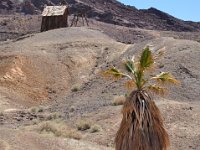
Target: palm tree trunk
(142,125)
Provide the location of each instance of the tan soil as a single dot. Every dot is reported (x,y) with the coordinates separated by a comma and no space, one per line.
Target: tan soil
(42,69)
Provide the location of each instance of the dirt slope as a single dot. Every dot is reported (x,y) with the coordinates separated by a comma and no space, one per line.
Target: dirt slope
(48,65)
(181,58)
(45,67)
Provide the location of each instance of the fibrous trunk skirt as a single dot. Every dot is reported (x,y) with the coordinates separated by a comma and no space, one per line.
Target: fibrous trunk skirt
(142,125)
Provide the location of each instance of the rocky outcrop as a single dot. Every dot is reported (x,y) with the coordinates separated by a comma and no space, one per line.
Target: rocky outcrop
(109,11)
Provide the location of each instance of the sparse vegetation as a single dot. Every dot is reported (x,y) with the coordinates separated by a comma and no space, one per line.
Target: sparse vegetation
(72,109)
(33,110)
(1,113)
(76,88)
(54,116)
(58,129)
(95,128)
(106,48)
(35,121)
(37,109)
(118,100)
(40,109)
(140,114)
(83,125)
(38,69)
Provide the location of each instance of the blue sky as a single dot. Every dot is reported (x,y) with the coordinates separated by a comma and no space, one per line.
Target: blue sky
(182,9)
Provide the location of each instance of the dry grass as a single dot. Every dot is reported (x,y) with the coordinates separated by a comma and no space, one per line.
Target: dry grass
(83,125)
(1,113)
(95,128)
(72,109)
(36,109)
(76,88)
(35,121)
(118,100)
(56,128)
(54,116)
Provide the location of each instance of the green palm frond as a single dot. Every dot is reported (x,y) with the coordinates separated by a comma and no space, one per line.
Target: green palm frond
(146,59)
(137,74)
(129,65)
(115,74)
(165,77)
(157,90)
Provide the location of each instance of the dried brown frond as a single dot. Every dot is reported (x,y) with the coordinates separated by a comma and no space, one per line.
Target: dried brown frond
(130,84)
(157,90)
(165,77)
(112,73)
(159,53)
(142,125)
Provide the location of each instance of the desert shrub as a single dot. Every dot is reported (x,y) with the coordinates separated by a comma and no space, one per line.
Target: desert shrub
(47,127)
(35,121)
(1,113)
(33,110)
(76,88)
(95,128)
(40,109)
(106,48)
(58,129)
(72,109)
(83,125)
(36,109)
(53,116)
(73,134)
(118,100)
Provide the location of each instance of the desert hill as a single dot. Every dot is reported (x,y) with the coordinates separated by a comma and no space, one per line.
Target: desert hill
(109,11)
(55,76)
(52,93)
(51,63)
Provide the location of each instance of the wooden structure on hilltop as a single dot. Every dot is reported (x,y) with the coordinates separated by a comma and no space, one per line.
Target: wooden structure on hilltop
(76,19)
(80,12)
(54,17)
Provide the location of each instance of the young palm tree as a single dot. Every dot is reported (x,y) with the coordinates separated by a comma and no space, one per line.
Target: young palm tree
(142,125)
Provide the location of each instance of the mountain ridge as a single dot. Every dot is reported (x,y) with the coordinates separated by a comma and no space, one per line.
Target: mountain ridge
(111,11)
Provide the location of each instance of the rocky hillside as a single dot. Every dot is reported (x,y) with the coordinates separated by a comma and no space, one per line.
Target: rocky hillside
(110,11)
(50,82)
